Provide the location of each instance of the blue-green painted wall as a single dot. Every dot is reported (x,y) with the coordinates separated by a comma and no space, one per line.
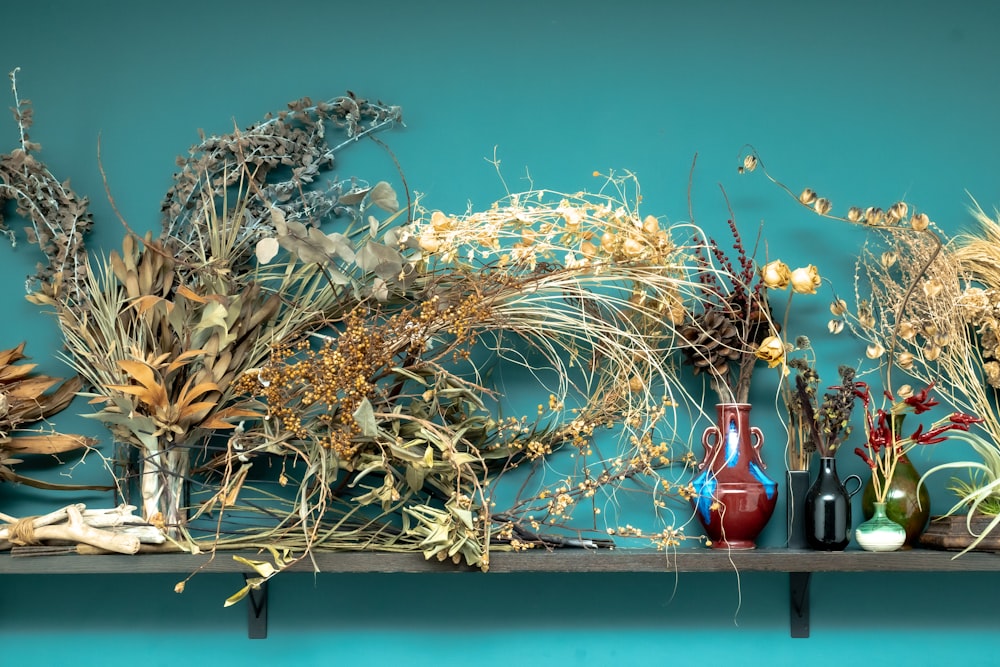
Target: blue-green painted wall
(867,102)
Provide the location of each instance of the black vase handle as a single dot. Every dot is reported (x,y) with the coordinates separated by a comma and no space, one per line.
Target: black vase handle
(861,483)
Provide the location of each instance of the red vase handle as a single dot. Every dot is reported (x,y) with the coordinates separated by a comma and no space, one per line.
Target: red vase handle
(712,432)
(758,442)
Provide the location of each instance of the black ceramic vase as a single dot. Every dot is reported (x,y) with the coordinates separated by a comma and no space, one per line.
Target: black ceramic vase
(828,508)
(796,486)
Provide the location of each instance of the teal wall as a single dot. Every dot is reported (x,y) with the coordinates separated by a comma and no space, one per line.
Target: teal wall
(868,102)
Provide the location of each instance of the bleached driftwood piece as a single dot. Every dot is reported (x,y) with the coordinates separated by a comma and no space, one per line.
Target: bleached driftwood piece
(68,524)
(122,520)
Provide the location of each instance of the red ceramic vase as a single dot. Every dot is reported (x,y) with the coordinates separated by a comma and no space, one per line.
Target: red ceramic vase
(733,499)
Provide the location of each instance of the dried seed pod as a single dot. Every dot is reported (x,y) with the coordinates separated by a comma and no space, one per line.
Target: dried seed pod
(632,246)
(838,307)
(823,206)
(874,351)
(835,326)
(932,287)
(854,214)
(808,196)
(919,222)
(896,212)
(874,215)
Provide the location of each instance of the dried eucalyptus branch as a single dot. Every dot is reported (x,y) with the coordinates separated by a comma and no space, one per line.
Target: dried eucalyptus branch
(60,219)
(283,157)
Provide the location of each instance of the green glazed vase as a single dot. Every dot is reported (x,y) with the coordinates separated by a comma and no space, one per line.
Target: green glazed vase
(880,533)
(902,503)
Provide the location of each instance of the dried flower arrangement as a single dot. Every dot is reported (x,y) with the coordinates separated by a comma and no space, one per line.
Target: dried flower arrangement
(802,420)
(731,324)
(820,426)
(160,331)
(923,305)
(571,287)
(351,363)
(885,446)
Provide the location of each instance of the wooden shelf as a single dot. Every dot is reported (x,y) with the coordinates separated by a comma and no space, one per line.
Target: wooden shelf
(798,564)
(564,560)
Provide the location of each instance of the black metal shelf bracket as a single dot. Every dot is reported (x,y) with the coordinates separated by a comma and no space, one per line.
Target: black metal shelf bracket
(257,611)
(798,598)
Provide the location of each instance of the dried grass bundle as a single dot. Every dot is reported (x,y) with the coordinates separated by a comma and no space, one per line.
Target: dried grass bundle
(393,420)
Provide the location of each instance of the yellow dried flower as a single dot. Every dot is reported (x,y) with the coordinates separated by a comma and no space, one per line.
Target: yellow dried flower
(771,350)
(775,275)
(991,370)
(440,221)
(429,243)
(805,280)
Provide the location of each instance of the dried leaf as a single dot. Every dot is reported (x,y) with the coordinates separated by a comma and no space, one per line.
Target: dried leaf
(383,261)
(353,196)
(267,249)
(364,415)
(383,196)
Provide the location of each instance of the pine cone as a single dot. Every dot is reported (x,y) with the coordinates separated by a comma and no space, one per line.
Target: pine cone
(711,342)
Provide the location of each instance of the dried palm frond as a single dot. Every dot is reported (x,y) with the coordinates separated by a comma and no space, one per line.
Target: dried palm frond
(26,398)
(160,344)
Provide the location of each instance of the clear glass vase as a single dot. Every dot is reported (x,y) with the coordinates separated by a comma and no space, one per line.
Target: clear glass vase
(880,533)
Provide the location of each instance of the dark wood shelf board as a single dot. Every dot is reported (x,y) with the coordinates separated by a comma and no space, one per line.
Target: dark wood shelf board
(569,561)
